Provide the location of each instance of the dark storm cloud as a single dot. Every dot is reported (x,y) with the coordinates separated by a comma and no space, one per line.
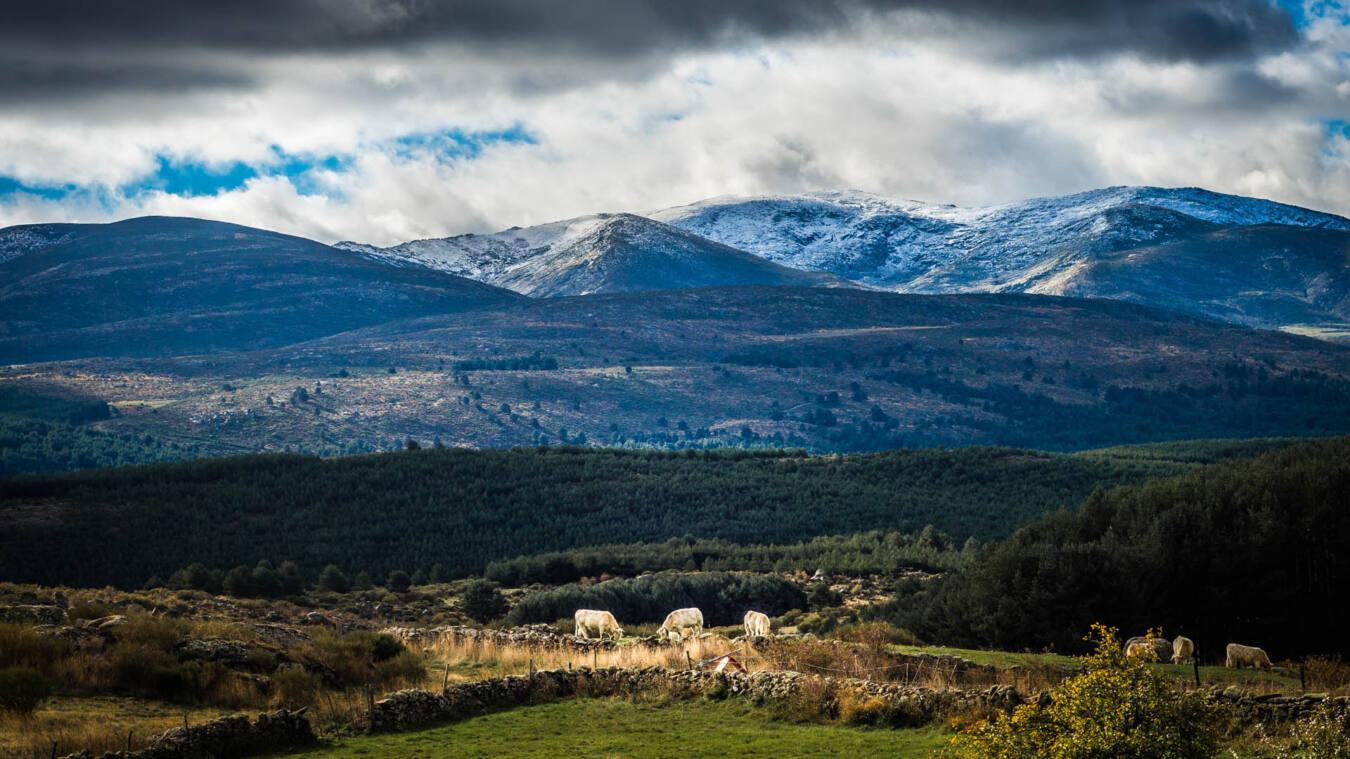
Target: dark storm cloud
(176,32)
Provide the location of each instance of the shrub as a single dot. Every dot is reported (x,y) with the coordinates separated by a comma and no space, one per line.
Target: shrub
(294,688)
(722,596)
(1326,674)
(483,602)
(353,657)
(162,633)
(22,689)
(332,580)
(1118,707)
(405,668)
(813,700)
(91,611)
(398,581)
(1324,735)
(138,667)
(857,708)
(20,646)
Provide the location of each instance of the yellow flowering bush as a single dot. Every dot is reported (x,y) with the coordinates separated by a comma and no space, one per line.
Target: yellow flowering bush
(1117,708)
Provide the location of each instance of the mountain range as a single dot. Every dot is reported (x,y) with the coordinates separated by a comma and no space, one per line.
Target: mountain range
(1105,318)
(1244,260)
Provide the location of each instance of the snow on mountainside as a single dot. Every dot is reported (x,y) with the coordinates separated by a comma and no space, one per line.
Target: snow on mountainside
(16,241)
(482,257)
(914,246)
(599,253)
(627,253)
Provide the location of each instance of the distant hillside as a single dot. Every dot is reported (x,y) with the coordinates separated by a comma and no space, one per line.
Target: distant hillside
(627,253)
(1145,244)
(827,369)
(160,286)
(465,509)
(608,253)
(1268,276)
(1254,551)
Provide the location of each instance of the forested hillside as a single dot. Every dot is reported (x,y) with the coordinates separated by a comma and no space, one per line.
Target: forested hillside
(464,509)
(1254,551)
(51,433)
(830,370)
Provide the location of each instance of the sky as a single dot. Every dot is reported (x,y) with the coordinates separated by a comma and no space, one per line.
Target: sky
(387,120)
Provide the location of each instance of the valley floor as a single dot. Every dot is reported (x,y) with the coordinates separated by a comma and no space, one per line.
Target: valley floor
(605,728)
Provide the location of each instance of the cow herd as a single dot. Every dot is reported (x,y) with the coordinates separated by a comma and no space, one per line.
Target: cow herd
(687,623)
(679,624)
(1182,651)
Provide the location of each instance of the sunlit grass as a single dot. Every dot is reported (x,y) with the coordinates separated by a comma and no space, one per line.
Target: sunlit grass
(98,723)
(611,728)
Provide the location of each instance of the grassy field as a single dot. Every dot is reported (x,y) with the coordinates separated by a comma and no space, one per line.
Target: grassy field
(1208,675)
(616,729)
(98,723)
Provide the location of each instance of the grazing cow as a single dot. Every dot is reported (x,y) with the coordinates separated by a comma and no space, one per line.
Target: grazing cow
(1162,650)
(756,624)
(1246,656)
(1183,650)
(1137,649)
(601,622)
(680,621)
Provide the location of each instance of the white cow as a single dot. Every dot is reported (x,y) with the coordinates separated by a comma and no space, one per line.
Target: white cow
(1246,656)
(756,624)
(600,621)
(1183,650)
(679,622)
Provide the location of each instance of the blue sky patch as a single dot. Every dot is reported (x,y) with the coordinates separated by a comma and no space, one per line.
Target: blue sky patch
(452,144)
(12,186)
(187,177)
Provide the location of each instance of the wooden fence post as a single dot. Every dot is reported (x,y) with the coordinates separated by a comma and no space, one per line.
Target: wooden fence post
(689,660)
(1195,664)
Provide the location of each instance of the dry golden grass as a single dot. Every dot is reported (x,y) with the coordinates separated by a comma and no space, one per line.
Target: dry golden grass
(97,723)
(468,659)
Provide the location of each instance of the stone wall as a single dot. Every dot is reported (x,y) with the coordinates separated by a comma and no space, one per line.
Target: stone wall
(542,637)
(1270,709)
(409,709)
(412,708)
(226,738)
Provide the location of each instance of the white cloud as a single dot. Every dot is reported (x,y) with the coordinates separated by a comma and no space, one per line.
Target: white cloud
(881,112)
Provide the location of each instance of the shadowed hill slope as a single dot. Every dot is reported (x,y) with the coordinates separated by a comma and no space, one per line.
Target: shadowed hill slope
(158,286)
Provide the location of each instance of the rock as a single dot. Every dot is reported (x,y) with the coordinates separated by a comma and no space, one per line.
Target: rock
(107,624)
(33,614)
(227,652)
(280,635)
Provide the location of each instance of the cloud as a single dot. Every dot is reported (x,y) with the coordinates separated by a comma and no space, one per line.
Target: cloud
(93,47)
(380,121)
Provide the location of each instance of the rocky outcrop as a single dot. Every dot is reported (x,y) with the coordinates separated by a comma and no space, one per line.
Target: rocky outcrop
(411,708)
(33,614)
(227,738)
(227,652)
